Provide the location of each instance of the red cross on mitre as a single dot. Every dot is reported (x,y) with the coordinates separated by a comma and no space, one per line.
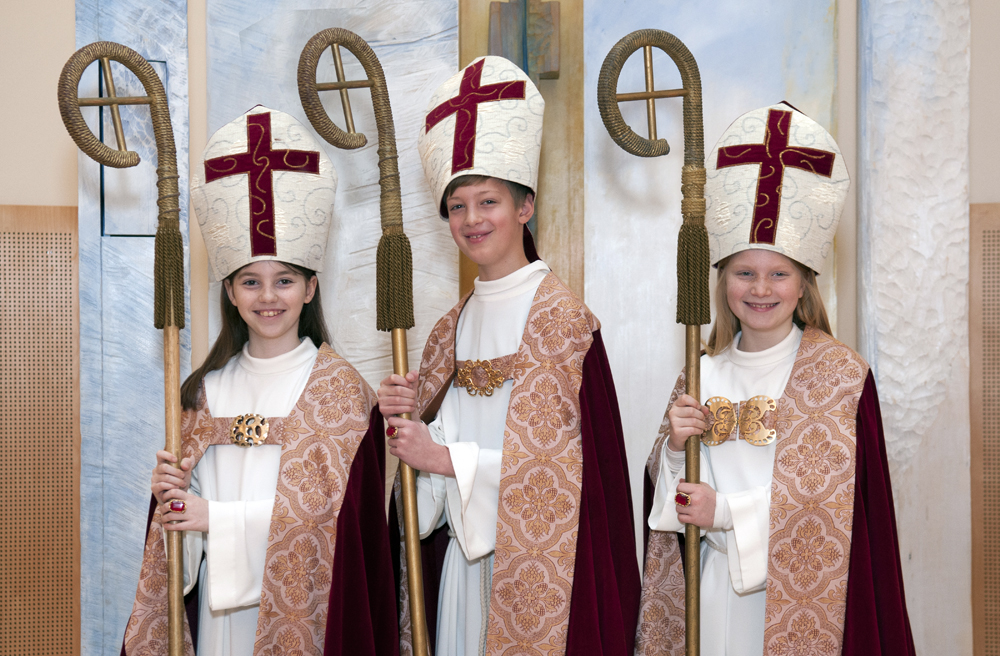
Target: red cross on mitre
(465,107)
(773,156)
(259,162)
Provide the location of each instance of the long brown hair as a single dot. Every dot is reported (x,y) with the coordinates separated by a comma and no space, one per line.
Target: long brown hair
(234,334)
(809,311)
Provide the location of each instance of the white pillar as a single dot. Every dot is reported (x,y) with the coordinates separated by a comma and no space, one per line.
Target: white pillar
(913,153)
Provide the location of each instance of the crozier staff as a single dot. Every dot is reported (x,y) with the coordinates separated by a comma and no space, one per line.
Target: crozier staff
(280,491)
(800,553)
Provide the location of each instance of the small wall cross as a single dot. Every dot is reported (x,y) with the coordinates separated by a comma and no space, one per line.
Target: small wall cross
(527,33)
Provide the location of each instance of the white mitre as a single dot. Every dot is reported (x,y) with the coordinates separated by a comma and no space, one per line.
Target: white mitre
(485,120)
(264,191)
(776,181)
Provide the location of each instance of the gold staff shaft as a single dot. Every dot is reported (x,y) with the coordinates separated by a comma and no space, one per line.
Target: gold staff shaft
(411,524)
(175,539)
(394,266)
(692,472)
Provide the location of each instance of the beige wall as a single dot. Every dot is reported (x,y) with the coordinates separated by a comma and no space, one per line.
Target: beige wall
(984,92)
(38,162)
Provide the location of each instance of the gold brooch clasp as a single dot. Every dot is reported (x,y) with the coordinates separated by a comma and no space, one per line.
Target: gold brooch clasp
(752,427)
(746,417)
(479,377)
(249,430)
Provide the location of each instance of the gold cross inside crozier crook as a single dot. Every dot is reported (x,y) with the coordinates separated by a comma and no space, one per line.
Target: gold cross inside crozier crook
(343,85)
(650,94)
(114,101)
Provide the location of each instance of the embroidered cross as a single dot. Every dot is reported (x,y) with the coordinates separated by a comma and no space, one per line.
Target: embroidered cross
(259,162)
(773,156)
(465,106)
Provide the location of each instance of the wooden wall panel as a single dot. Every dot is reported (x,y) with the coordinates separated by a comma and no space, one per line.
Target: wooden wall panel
(39,432)
(984,388)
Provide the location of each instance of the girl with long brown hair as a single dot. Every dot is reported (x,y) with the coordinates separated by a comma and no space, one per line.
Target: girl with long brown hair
(280,491)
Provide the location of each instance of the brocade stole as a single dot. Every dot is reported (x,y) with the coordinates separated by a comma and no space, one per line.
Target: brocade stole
(541,471)
(318,439)
(812,504)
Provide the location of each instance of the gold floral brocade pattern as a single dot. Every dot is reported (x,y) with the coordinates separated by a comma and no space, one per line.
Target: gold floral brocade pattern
(811,513)
(319,440)
(542,469)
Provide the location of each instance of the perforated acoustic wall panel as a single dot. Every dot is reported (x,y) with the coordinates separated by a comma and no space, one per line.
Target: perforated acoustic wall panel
(984,346)
(39,436)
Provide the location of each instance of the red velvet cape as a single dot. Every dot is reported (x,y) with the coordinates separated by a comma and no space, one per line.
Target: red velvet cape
(362,616)
(604,607)
(877,623)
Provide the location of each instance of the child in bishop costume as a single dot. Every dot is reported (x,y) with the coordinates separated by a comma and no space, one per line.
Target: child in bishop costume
(522,456)
(285,531)
(800,554)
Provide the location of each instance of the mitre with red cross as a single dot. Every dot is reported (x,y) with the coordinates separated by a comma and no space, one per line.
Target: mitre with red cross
(777,181)
(264,191)
(485,120)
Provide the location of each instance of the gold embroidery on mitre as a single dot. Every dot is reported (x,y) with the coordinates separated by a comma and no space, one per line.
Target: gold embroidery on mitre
(249,430)
(747,417)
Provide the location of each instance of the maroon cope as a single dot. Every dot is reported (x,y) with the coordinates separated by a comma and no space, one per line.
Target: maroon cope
(328,578)
(564,577)
(834,580)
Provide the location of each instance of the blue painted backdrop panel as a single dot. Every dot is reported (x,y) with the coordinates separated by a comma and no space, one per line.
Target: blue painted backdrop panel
(253,54)
(750,54)
(121,354)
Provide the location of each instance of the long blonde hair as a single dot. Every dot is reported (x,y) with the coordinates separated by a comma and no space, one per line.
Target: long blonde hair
(810,310)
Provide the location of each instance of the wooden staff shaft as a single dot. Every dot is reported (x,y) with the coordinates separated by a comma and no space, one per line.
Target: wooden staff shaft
(411,527)
(692,534)
(175,539)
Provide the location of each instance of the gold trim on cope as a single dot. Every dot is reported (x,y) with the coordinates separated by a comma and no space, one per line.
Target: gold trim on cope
(479,377)
(249,430)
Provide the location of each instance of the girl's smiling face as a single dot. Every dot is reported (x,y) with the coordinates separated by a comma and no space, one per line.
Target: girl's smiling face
(762,289)
(270,296)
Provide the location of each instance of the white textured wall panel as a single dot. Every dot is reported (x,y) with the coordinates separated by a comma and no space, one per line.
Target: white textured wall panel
(913,258)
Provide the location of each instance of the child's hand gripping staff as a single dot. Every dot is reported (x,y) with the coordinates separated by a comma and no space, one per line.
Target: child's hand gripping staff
(394,266)
(693,307)
(169,263)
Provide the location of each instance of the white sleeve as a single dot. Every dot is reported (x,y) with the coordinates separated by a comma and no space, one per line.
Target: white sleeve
(431,490)
(663,515)
(194,543)
(237,548)
(477,477)
(747,539)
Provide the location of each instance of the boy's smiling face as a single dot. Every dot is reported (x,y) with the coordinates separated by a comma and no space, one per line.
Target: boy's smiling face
(488,227)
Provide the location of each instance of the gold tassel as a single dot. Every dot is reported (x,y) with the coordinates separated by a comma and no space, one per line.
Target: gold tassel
(394,280)
(693,299)
(168,276)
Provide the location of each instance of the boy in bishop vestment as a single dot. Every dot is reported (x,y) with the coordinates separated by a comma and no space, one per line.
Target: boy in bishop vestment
(521,454)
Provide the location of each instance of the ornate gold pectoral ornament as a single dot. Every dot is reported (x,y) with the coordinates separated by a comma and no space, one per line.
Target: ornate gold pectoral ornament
(482,377)
(746,418)
(249,430)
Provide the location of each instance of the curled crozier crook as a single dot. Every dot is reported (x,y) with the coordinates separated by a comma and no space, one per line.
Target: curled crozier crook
(394,261)
(169,262)
(693,301)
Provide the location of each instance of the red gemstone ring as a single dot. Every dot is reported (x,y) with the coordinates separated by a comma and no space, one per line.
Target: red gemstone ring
(391,431)
(177,506)
(682,499)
